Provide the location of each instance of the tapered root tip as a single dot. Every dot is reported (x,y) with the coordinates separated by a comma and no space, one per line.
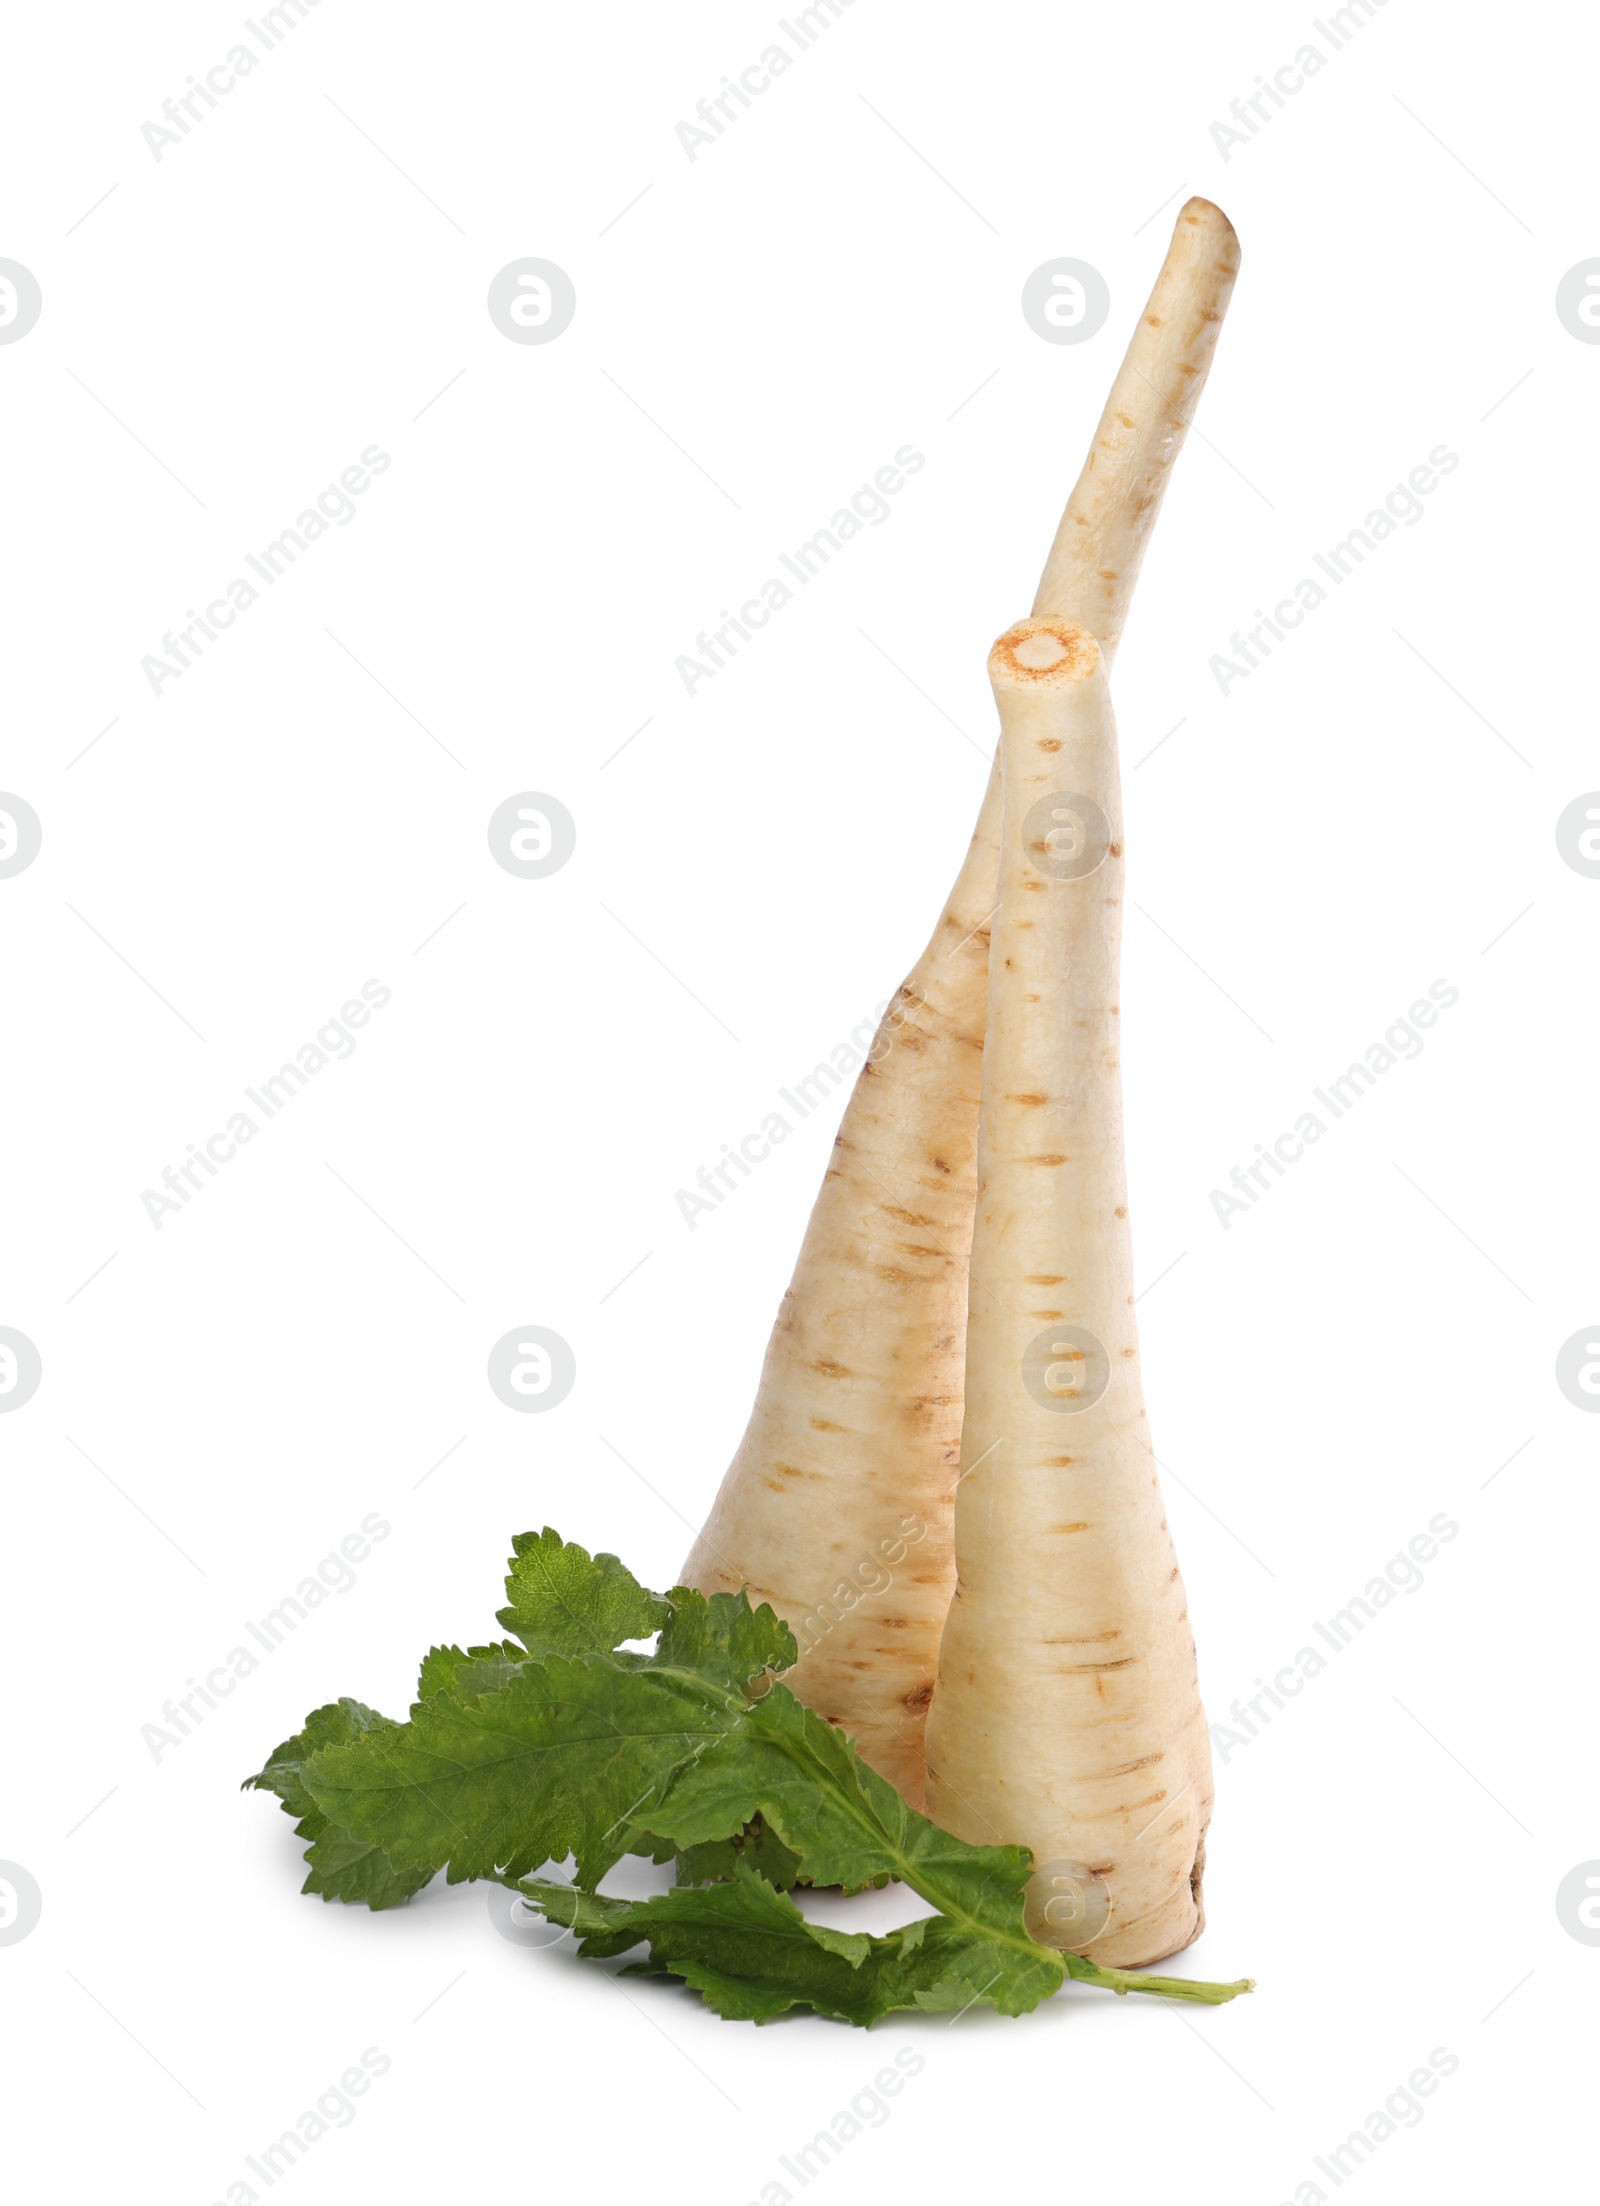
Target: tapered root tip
(1205,214)
(1043,653)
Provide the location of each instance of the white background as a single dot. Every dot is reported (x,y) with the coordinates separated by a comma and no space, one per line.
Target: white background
(1371,811)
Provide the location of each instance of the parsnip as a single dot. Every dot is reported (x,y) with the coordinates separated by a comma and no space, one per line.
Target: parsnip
(856,1427)
(1066,1717)
(1100,543)
(837,1506)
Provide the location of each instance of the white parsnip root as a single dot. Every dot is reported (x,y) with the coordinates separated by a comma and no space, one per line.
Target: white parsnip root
(1066,1717)
(853,1442)
(836,1508)
(1095,559)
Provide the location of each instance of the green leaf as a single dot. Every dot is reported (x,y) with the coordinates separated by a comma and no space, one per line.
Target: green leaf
(344,1868)
(714,1860)
(848,1825)
(567,1757)
(752,1955)
(565,1601)
(461,1674)
(340,1867)
(724,1637)
(746,1948)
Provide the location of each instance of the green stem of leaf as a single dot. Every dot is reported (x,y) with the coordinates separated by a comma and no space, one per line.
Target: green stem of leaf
(1160,1987)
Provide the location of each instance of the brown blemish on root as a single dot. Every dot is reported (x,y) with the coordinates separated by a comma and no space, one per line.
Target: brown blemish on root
(1196,1874)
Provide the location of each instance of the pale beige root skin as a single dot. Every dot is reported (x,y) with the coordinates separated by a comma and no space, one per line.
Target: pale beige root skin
(1067,1715)
(837,1506)
(829,1464)
(1094,561)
